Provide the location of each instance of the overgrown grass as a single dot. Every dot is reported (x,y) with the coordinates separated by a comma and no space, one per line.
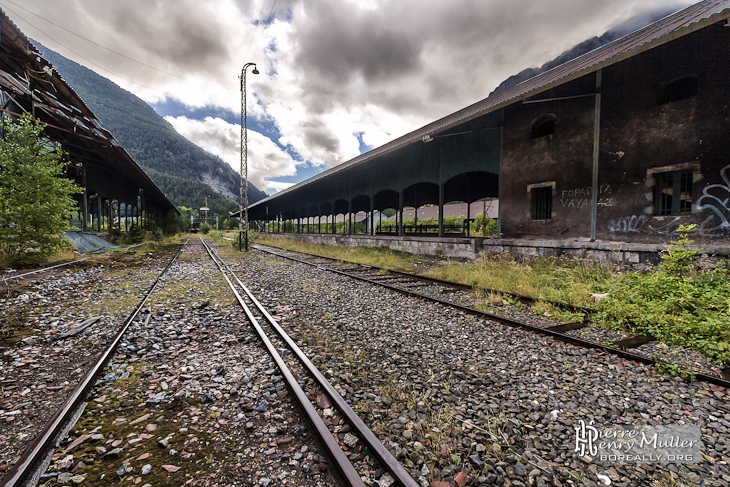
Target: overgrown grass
(376,256)
(678,303)
(543,278)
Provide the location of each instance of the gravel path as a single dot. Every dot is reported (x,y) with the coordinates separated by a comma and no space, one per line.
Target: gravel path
(462,401)
(39,368)
(191,398)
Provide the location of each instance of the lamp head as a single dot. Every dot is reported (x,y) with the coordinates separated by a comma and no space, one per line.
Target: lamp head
(255,71)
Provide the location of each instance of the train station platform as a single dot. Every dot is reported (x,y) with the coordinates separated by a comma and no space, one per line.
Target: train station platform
(470,248)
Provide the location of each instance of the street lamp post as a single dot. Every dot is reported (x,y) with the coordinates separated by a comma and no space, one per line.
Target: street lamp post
(243,203)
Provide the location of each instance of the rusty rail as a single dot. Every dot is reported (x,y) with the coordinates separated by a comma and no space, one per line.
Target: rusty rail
(442,282)
(29,463)
(510,322)
(373,443)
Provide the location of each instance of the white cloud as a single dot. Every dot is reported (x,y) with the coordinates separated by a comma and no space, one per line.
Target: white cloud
(264,158)
(330,69)
(278,186)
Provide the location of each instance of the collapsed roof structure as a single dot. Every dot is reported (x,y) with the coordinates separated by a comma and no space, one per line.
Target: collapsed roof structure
(114,185)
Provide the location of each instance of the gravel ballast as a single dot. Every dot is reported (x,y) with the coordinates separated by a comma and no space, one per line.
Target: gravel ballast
(455,397)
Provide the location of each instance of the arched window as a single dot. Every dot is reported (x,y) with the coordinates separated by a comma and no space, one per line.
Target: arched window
(679,89)
(543,125)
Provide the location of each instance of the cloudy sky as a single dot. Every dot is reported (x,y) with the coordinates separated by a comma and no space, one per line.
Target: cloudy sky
(337,77)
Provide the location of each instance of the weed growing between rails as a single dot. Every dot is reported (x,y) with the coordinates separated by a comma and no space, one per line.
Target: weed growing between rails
(679,303)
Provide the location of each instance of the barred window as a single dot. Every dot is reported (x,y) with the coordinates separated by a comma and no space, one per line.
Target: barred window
(542,202)
(673,193)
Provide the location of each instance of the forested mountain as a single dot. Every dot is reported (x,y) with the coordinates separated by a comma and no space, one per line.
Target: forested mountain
(184,171)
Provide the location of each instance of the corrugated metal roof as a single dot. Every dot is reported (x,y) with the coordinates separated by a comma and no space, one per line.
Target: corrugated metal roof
(681,23)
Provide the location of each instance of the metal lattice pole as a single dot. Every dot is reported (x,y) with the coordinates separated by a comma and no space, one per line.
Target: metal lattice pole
(243,192)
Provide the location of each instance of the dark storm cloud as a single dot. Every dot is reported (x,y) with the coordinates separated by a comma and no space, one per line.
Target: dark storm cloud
(337,45)
(320,137)
(181,36)
(337,67)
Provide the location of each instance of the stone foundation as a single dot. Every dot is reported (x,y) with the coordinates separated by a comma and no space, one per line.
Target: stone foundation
(471,247)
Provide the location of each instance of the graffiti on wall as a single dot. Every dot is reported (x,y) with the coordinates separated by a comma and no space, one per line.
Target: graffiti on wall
(580,198)
(712,216)
(714,202)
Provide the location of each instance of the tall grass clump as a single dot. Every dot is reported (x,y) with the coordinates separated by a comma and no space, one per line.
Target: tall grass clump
(545,278)
(376,256)
(679,303)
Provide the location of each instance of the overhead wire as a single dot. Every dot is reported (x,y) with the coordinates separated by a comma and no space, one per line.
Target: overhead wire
(76,53)
(253,34)
(268,19)
(96,44)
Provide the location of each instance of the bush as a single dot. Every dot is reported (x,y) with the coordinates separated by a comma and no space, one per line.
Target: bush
(35,198)
(678,303)
(173,223)
(136,234)
(157,234)
(205,228)
(483,226)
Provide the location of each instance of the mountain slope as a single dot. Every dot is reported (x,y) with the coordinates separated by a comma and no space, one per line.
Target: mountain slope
(184,171)
(589,45)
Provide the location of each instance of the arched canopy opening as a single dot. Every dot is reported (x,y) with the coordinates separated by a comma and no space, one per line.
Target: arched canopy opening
(325,209)
(341,206)
(386,199)
(421,194)
(361,203)
(471,186)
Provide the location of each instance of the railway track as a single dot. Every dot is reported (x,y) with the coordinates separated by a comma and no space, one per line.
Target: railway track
(394,276)
(450,407)
(14,278)
(339,429)
(257,314)
(414,285)
(28,468)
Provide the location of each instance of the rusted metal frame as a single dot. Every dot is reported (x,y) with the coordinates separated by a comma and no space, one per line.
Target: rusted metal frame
(458,285)
(518,324)
(343,463)
(633,342)
(31,459)
(373,442)
(567,327)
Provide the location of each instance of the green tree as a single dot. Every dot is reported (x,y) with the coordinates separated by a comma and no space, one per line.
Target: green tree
(35,200)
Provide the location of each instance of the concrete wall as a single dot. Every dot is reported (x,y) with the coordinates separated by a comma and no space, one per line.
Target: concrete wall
(472,248)
(640,134)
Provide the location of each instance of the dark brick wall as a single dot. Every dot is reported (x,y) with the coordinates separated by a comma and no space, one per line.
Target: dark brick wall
(637,133)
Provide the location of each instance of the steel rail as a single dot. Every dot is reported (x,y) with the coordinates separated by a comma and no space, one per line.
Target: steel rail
(340,459)
(386,459)
(62,264)
(459,285)
(32,458)
(516,324)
